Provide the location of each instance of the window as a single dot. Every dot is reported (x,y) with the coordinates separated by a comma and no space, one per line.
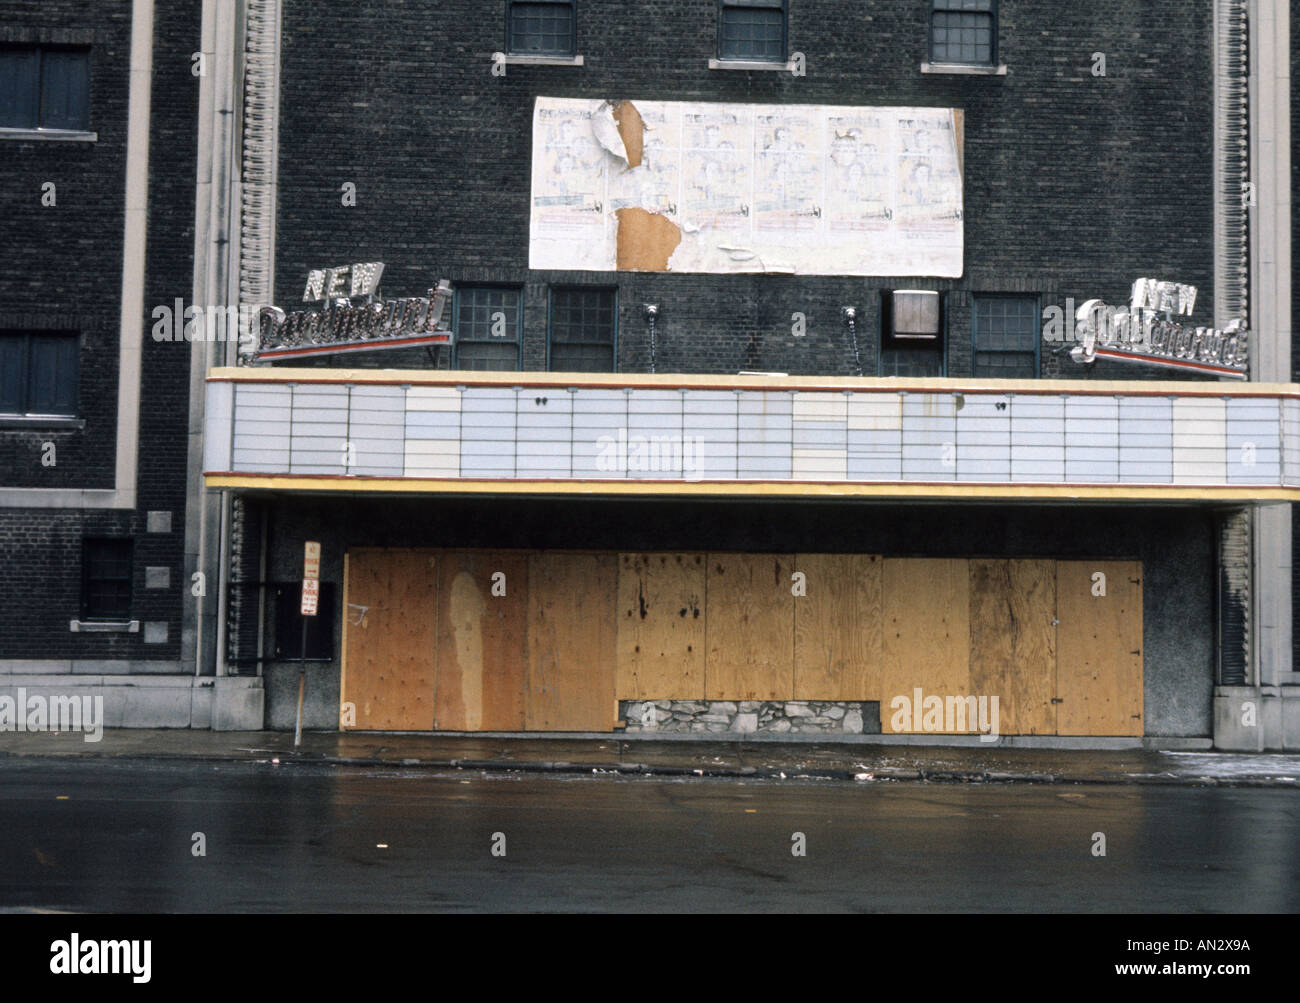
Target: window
(583,324)
(911,334)
(542,29)
(488,322)
(289,623)
(1005,332)
(106,580)
(752,30)
(38,374)
(43,87)
(964,31)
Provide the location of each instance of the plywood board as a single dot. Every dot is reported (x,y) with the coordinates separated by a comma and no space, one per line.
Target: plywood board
(391,639)
(571,638)
(838,627)
(661,633)
(1013,642)
(482,641)
(749,627)
(1099,648)
(926,637)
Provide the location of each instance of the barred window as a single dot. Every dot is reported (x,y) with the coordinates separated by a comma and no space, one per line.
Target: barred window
(964,31)
(542,29)
(583,327)
(488,322)
(1005,332)
(752,30)
(106,580)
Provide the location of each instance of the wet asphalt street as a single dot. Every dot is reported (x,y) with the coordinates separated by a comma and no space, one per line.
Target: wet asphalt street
(119,836)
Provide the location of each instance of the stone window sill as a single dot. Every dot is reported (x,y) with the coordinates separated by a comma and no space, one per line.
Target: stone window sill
(104,627)
(49,135)
(36,422)
(752,64)
(965,69)
(519,59)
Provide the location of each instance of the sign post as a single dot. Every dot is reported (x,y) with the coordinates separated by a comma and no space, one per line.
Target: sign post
(310,604)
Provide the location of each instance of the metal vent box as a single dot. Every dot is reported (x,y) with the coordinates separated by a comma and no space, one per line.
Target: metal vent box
(916,314)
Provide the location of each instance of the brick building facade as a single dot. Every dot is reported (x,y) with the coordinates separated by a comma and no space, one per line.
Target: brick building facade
(1097,145)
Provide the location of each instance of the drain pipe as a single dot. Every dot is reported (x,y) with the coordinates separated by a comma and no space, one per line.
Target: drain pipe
(851,318)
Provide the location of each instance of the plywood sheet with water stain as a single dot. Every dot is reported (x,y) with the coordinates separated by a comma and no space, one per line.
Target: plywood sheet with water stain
(1013,642)
(389,654)
(661,632)
(482,641)
(749,625)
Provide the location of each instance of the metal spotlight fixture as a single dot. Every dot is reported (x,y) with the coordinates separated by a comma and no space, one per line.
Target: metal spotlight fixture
(651,313)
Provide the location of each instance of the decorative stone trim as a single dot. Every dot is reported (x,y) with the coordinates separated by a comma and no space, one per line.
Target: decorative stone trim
(96,627)
(510,59)
(966,69)
(49,135)
(811,717)
(753,65)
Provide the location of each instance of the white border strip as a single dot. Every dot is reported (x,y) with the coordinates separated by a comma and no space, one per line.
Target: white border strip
(134,247)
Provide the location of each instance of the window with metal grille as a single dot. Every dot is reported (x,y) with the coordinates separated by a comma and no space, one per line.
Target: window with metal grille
(317,644)
(43,87)
(488,322)
(39,373)
(106,580)
(752,30)
(542,29)
(584,323)
(1005,333)
(964,31)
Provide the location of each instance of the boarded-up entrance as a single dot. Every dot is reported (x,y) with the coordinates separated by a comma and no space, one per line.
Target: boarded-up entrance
(571,602)
(482,642)
(389,639)
(508,641)
(1099,662)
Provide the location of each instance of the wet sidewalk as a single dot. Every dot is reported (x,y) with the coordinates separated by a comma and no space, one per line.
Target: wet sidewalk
(659,757)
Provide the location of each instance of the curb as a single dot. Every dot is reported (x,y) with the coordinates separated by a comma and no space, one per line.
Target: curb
(651,771)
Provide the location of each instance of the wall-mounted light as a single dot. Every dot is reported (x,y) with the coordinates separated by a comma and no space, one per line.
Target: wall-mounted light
(651,315)
(851,319)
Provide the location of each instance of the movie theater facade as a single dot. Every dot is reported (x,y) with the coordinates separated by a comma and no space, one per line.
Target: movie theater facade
(758,413)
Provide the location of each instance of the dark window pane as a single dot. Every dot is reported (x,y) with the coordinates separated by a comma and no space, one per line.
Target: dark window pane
(911,362)
(13,369)
(106,580)
(488,322)
(289,622)
(1006,335)
(52,375)
(542,29)
(482,357)
(582,330)
(756,33)
(65,89)
(20,71)
(962,31)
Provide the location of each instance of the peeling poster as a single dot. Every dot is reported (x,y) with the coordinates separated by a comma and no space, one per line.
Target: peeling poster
(717,188)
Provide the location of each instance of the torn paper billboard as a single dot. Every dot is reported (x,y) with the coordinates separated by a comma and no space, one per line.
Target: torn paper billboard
(806,189)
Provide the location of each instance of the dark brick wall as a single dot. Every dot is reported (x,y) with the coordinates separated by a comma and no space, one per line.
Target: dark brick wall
(1176,547)
(63,270)
(1075,185)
